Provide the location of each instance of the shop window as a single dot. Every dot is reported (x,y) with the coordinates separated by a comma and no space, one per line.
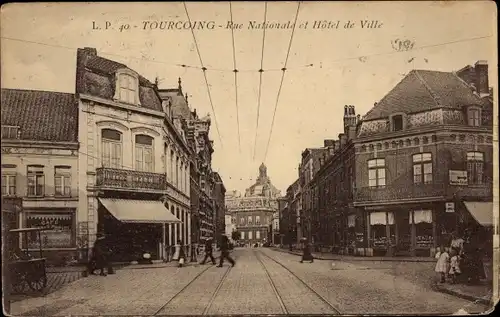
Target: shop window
(422,168)
(60,225)
(9,181)
(376,173)
(474,116)
(111,148)
(257,220)
(250,235)
(62,181)
(378,227)
(242,235)
(423,228)
(36,181)
(144,153)
(257,234)
(475,167)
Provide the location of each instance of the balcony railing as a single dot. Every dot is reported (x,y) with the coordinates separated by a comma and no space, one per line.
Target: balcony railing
(129,179)
(398,192)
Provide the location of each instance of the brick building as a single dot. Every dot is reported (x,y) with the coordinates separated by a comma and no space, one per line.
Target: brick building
(333,214)
(40,167)
(219,194)
(424,162)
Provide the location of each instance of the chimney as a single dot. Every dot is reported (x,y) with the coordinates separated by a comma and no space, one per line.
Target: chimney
(482,84)
(82,56)
(328,143)
(343,139)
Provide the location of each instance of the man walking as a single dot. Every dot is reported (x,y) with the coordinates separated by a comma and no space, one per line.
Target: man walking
(208,251)
(224,251)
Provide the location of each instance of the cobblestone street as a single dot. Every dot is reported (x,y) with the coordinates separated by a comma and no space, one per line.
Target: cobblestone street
(262,282)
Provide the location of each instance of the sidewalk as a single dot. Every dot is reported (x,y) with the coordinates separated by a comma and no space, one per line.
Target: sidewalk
(481,293)
(329,256)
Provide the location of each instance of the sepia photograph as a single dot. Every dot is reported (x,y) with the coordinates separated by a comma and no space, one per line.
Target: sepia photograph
(240,158)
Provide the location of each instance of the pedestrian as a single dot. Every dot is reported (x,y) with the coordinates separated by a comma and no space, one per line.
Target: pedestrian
(306,252)
(100,256)
(472,263)
(443,263)
(208,251)
(224,251)
(182,253)
(454,266)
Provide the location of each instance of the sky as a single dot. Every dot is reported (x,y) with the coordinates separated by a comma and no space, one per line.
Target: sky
(326,68)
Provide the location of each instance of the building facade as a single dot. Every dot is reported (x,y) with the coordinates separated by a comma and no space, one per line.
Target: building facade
(219,194)
(308,167)
(333,219)
(254,212)
(424,162)
(196,129)
(40,168)
(134,161)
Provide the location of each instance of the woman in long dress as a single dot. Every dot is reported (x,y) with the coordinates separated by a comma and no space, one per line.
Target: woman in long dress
(306,252)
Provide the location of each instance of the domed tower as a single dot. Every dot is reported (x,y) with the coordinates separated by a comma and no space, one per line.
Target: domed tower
(262,172)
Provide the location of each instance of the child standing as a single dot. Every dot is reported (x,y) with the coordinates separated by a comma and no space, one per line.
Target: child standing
(442,265)
(454,266)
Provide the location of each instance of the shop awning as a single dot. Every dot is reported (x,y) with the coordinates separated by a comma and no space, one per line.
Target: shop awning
(481,211)
(139,211)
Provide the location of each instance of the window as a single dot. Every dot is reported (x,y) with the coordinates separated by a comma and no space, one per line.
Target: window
(62,181)
(257,234)
(474,116)
(8,181)
(111,148)
(257,220)
(144,153)
(422,168)
(249,220)
(128,88)
(475,167)
(10,132)
(376,172)
(36,180)
(62,228)
(242,221)
(242,235)
(397,123)
(250,235)
(177,171)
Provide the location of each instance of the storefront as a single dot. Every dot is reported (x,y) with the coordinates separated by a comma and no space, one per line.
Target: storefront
(382,233)
(62,228)
(134,227)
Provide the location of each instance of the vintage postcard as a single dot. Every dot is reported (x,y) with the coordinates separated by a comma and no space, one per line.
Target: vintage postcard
(249,158)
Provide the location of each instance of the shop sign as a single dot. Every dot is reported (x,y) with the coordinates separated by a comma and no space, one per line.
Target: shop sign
(450,207)
(458,178)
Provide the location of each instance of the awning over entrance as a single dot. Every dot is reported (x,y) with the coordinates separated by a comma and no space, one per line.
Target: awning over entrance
(139,211)
(481,211)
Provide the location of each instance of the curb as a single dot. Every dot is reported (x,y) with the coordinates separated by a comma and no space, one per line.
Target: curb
(462,295)
(361,258)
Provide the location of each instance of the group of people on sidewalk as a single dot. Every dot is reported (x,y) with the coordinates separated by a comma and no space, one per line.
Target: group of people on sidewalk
(461,260)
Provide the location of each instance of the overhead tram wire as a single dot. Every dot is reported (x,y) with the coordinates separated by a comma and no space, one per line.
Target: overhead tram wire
(261,71)
(235,71)
(204,69)
(282,78)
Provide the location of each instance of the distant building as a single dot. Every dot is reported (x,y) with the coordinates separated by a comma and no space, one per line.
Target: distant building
(40,167)
(424,162)
(254,212)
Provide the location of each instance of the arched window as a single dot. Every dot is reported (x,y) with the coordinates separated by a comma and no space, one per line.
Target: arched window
(144,152)
(111,148)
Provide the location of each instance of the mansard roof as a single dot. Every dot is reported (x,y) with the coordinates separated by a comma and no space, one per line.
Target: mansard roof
(41,115)
(423,90)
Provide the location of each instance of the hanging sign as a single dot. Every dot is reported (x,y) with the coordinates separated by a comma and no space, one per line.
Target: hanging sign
(458,178)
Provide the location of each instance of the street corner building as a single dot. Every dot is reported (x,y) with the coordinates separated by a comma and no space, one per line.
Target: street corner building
(256,213)
(399,180)
(40,169)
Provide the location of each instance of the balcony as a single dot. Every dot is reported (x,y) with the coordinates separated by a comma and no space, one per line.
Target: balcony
(398,192)
(122,179)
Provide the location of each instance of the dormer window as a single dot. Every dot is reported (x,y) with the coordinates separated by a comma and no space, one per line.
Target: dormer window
(127,87)
(397,123)
(474,116)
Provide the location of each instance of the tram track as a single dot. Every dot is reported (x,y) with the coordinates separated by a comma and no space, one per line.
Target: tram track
(279,296)
(185,290)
